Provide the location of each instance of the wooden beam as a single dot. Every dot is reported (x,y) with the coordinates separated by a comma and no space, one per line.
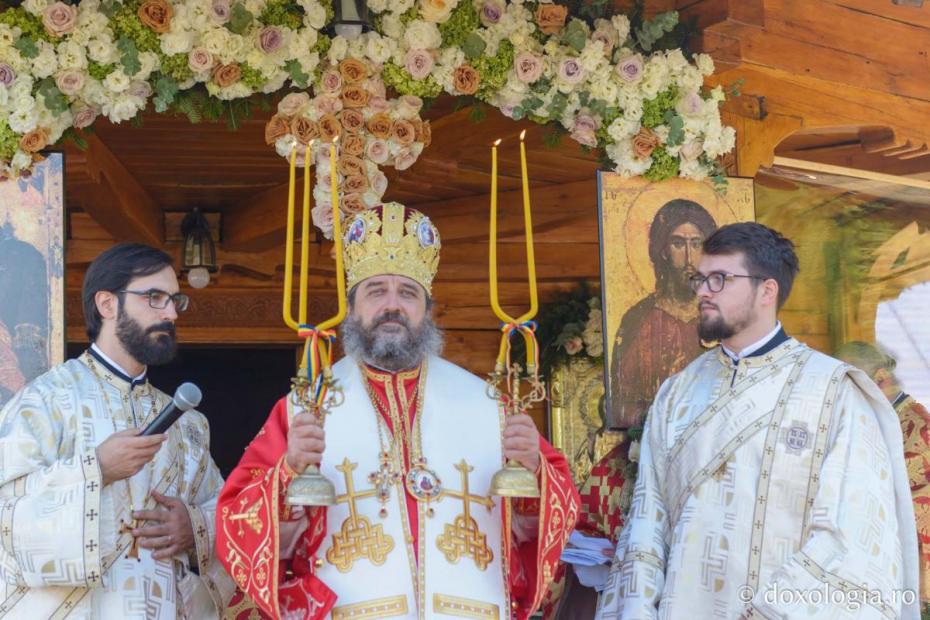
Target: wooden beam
(117,201)
(850,172)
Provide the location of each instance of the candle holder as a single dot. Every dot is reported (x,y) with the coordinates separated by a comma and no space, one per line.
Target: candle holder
(311,488)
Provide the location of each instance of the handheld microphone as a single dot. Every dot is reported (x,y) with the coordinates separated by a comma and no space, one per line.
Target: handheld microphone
(186,397)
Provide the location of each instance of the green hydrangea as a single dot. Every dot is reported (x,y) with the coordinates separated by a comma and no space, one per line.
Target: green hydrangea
(99,71)
(126,23)
(664,166)
(251,77)
(494,70)
(654,109)
(282,13)
(400,80)
(409,15)
(30,24)
(176,66)
(462,22)
(9,141)
(330,11)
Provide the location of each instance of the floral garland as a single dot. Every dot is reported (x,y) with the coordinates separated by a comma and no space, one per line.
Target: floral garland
(62,65)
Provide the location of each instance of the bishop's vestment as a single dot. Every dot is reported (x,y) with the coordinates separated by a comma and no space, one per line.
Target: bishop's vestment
(415,532)
(63,544)
(771,487)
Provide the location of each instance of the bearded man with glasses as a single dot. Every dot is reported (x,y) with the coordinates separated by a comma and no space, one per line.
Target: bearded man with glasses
(98,522)
(772,481)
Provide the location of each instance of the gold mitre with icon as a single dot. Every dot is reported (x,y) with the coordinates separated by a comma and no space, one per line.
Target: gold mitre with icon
(391,239)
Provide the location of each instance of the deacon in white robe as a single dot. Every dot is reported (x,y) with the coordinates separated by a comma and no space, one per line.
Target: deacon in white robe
(68,506)
(771,481)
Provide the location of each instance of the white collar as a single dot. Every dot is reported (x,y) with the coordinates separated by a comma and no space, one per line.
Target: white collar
(755,346)
(110,361)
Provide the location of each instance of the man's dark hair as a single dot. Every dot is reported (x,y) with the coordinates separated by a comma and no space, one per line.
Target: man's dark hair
(673,214)
(112,271)
(766,253)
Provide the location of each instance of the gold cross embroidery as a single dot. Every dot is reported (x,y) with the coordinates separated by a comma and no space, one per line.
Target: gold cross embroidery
(463,538)
(357,538)
(250,516)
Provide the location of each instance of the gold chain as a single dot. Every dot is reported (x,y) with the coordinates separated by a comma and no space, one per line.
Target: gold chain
(414,448)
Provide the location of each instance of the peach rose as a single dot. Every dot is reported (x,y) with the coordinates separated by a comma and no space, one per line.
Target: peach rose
(349,165)
(156,14)
(330,127)
(550,17)
(644,143)
(277,127)
(353,70)
(227,75)
(355,183)
(304,129)
(376,105)
(327,104)
(352,204)
(424,133)
(403,132)
(379,183)
(465,79)
(59,19)
(405,158)
(352,144)
(354,97)
(83,115)
(379,125)
(35,140)
(331,81)
(352,120)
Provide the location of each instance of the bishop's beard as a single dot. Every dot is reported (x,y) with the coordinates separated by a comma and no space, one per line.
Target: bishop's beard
(398,347)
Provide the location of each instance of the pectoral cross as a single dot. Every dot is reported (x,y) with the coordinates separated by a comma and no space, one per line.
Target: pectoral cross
(357,538)
(127,528)
(463,537)
(383,480)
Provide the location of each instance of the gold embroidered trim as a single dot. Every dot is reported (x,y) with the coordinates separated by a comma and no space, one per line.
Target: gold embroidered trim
(464,607)
(6,524)
(463,537)
(387,607)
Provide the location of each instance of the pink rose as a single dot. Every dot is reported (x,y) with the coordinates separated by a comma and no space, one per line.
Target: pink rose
(331,81)
(7,75)
(378,105)
(59,19)
(375,86)
(327,104)
(409,106)
(199,60)
(583,130)
(293,103)
(379,183)
(691,150)
(70,82)
(607,36)
(571,71)
(404,159)
(630,68)
(377,151)
(419,63)
(573,345)
(322,216)
(270,39)
(528,66)
(691,104)
(140,89)
(220,11)
(491,12)
(83,115)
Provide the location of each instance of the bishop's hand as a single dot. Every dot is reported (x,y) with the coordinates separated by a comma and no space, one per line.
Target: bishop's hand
(521,440)
(305,442)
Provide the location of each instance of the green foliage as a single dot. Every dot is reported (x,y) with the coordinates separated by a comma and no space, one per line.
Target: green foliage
(298,77)
(72,135)
(129,58)
(98,71)
(494,70)
(282,13)
(676,128)
(664,165)
(9,141)
(54,100)
(166,89)
(400,80)
(650,32)
(473,46)
(126,23)
(252,77)
(30,25)
(240,19)
(574,35)
(654,109)
(462,22)
(27,47)
(177,67)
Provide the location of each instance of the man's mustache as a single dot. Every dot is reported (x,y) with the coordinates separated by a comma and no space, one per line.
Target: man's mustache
(166,327)
(391,317)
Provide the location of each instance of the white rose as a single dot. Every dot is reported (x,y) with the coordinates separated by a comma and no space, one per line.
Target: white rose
(705,63)
(176,43)
(46,63)
(391,27)
(437,11)
(214,41)
(21,160)
(101,50)
(122,109)
(71,56)
(422,35)
(116,81)
(149,62)
(380,49)
(622,24)
(23,120)
(338,49)
(356,48)
(315,16)
(36,7)
(604,88)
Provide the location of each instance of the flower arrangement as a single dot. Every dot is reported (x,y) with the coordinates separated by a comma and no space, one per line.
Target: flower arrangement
(607,83)
(372,130)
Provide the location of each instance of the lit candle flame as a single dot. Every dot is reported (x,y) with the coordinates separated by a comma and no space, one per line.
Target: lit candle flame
(522,135)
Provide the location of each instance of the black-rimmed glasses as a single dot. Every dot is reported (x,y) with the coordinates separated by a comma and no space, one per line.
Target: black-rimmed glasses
(716,280)
(159,299)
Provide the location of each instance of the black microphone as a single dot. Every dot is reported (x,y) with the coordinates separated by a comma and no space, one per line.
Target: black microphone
(186,397)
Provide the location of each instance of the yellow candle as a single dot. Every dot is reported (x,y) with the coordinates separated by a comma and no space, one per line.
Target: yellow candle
(528,224)
(492,241)
(289,247)
(337,239)
(305,238)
